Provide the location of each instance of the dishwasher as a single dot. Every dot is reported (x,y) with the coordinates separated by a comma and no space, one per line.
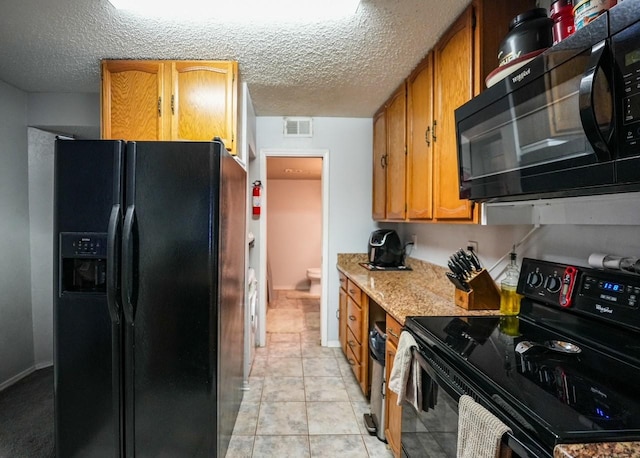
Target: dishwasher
(374,421)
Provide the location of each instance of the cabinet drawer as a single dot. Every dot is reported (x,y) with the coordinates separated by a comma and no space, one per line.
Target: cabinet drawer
(393,330)
(354,346)
(356,367)
(354,319)
(342,278)
(354,291)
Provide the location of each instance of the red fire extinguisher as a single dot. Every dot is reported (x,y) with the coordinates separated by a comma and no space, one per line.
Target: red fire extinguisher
(257,186)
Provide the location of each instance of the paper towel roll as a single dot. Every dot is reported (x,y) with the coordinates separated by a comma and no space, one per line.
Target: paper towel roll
(610,261)
(604,261)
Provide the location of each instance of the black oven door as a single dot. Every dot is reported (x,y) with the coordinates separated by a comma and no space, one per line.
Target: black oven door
(434,431)
(546,129)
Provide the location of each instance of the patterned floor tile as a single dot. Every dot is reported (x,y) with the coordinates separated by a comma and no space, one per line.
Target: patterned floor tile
(331,418)
(282,418)
(284,320)
(344,446)
(313,350)
(281,446)
(283,389)
(325,389)
(259,366)
(247,419)
(310,336)
(240,447)
(285,350)
(376,448)
(303,399)
(359,409)
(320,367)
(285,367)
(276,337)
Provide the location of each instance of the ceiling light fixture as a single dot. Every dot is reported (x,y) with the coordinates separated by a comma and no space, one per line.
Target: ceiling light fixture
(238,10)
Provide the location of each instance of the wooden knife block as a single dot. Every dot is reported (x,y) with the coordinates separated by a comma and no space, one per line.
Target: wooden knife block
(484,294)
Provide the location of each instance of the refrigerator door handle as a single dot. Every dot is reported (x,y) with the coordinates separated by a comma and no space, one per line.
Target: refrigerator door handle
(113,260)
(128,293)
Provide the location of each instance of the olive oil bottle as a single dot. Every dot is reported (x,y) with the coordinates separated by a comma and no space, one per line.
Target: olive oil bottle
(509,298)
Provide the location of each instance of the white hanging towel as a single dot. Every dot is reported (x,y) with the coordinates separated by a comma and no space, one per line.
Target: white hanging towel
(406,377)
(479,431)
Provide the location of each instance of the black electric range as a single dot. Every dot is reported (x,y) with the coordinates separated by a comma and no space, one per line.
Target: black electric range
(556,373)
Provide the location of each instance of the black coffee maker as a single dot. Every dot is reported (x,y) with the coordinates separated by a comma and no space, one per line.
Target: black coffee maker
(385,248)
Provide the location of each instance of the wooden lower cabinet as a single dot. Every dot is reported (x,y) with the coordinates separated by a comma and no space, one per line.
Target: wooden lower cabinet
(342,313)
(393,412)
(353,321)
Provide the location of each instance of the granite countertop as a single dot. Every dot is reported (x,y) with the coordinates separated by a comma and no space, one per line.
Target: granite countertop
(423,291)
(601,450)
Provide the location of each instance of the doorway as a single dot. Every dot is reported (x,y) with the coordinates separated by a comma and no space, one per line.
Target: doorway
(307,173)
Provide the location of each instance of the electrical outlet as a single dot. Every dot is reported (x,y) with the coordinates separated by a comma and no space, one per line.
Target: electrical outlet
(472,245)
(414,239)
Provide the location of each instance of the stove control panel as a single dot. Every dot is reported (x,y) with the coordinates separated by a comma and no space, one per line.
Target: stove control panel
(545,281)
(604,294)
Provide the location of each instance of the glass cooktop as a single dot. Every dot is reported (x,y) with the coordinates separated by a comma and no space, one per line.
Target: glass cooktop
(564,378)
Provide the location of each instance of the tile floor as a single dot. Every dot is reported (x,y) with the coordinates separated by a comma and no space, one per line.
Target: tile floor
(303,399)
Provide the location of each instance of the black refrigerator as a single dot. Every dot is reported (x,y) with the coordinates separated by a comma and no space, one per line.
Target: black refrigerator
(149,243)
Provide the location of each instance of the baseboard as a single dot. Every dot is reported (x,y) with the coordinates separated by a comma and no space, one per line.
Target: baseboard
(333,343)
(17,378)
(43,365)
(289,288)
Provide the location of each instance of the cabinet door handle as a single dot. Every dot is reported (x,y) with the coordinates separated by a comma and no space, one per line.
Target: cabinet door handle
(383,161)
(352,318)
(352,291)
(426,135)
(352,343)
(159,106)
(351,361)
(338,314)
(173,104)
(433,135)
(393,333)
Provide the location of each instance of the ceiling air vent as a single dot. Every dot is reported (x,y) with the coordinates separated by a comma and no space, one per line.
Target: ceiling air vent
(298,127)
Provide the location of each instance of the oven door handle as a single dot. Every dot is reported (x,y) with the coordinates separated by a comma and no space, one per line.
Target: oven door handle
(588,101)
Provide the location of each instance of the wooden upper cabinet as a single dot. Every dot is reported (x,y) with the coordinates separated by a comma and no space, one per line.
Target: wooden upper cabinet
(396,154)
(203,104)
(170,100)
(420,141)
(453,87)
(379,210)
(450,75)
(132,93)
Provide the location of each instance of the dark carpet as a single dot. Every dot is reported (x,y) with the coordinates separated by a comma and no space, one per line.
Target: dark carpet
(26,417)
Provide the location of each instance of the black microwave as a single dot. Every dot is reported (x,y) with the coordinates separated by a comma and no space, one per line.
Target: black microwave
(565,124)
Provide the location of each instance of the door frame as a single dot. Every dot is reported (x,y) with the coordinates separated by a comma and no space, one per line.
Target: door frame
(262,261)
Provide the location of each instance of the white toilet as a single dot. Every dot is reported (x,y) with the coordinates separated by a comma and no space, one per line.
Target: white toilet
(314,274)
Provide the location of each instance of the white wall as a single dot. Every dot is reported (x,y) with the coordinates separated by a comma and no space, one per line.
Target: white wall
(26,174)
(294,231)
(73,114)
(41,152)
(349,141)
(16,335)
(569,244)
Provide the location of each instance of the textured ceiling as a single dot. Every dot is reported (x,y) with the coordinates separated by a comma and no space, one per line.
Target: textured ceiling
(343,67)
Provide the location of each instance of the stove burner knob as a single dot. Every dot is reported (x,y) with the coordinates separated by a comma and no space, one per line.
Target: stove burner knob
(553,284)
(534,279)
